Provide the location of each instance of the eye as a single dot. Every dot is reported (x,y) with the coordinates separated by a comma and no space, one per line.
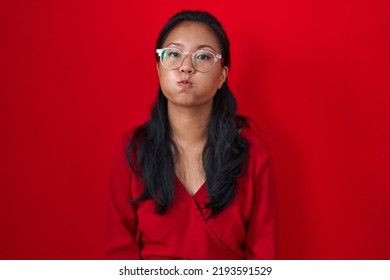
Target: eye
(203,56)
(173,53)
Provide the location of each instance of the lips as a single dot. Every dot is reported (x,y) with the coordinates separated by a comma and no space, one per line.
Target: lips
(185,84)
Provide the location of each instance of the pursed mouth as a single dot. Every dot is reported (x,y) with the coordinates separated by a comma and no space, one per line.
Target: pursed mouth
(185,84)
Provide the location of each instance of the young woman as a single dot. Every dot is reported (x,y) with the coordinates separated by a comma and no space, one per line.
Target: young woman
(195,181)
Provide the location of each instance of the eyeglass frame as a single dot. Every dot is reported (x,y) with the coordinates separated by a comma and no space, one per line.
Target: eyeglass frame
(185,54)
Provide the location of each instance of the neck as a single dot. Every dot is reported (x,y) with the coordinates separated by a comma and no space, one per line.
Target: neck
(189,125)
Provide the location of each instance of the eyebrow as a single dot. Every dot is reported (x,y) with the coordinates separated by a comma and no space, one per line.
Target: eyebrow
(199,47)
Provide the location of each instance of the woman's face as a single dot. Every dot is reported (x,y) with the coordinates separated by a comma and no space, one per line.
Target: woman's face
(185,86)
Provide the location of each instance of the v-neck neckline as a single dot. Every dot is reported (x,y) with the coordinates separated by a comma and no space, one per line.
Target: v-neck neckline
(197,193)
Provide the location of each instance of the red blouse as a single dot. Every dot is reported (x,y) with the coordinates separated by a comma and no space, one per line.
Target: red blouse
(244,230)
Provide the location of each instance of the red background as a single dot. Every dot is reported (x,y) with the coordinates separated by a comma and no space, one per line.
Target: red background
(313,74)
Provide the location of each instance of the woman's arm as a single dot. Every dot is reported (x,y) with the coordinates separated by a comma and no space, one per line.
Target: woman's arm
(120,240)
(260,240)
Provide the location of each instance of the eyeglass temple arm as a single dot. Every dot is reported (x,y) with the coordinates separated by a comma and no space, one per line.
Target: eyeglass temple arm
(159,51)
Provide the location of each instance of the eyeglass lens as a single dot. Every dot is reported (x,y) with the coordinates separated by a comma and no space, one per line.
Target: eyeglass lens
(203,61)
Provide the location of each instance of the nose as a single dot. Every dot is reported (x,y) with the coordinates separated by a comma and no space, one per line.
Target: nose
(187,66)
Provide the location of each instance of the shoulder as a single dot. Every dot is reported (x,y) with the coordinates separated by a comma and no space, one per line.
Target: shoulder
(136,132)
(122,145)
(127,135)
(259,151)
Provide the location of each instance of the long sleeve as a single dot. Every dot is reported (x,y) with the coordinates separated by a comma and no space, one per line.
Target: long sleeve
(260,241)
(120,240)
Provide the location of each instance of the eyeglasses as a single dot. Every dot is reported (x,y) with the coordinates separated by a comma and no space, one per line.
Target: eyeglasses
(202,60)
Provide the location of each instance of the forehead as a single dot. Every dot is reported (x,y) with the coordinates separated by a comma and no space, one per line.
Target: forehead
(191,35)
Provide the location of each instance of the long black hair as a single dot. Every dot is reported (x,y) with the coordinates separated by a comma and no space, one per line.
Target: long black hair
(151,150)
